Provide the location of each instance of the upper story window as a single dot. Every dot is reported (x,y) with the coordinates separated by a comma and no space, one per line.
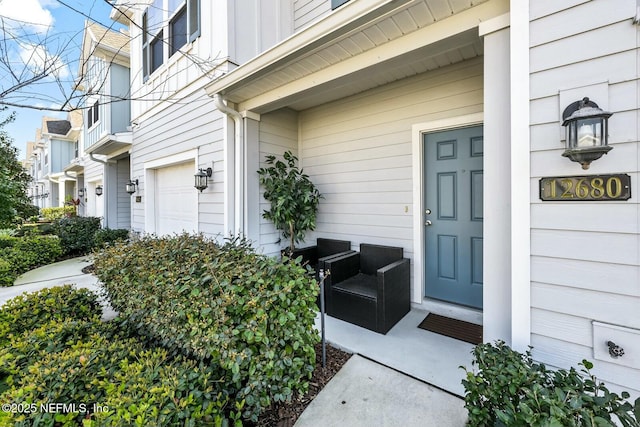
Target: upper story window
(93,115)
(167,25)
(336,3)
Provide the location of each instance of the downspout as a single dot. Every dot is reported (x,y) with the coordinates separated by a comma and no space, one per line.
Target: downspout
(104,162)
(239,165)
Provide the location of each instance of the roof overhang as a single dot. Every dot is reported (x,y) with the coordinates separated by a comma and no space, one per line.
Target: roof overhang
(111,145)
(75,166)
(317,65)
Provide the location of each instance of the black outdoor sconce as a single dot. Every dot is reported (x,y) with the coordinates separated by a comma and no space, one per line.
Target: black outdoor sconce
(587,127)
(99,190)
(81,193)
(130,187)
(201,178)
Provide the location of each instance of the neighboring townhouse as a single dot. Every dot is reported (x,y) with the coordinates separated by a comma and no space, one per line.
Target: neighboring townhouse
(177,128)
(102,155)
(430,125)
(52,150)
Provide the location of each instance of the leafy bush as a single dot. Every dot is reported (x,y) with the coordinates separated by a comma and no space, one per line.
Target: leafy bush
(293,197)
(510,389)
(33,229)
(67,355)
(248,315)
(77,234)
(57,212)
(106,236)
(28,311)
(23,254)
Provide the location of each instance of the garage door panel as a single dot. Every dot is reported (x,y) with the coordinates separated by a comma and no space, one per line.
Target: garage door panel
(176,200)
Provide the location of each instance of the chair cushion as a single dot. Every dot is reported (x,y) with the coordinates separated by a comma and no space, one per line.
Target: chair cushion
(360,284)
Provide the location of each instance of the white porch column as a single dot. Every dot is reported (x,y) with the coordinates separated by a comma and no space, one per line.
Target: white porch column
(497,305)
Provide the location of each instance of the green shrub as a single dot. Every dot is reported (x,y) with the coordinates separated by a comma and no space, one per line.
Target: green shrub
(107,236)
(57,212)
(247,314)
(65,354)
(77,234)
(33,229)
(26,253)
(30,310)
(510,389)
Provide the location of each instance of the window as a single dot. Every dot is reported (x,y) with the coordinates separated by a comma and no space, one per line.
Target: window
(177,20)
(336,3)
(93,115)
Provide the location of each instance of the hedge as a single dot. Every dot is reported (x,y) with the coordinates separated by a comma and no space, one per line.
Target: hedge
(20,254)
(65,354)
(249,315)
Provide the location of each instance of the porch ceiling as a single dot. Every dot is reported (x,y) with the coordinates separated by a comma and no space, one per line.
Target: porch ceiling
(111,145)
(354,49)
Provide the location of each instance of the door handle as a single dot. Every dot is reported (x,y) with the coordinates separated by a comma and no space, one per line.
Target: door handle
(428,223)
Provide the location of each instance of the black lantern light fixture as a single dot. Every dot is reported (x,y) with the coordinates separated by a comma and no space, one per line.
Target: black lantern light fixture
(130,187)
(99,190)
(587,127)
(81,193)
(201,178)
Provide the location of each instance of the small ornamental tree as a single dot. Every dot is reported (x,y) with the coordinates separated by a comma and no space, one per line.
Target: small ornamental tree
(293,197)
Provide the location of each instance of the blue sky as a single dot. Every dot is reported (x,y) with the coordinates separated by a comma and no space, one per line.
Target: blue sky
(62,28)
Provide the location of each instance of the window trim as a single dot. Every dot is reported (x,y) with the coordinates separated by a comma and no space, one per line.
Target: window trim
(192,10)
(93,115)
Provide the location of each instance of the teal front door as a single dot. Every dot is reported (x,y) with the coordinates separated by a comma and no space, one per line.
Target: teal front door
(453,215)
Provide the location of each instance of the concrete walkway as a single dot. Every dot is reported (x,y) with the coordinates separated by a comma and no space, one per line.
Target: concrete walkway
(57,274)
(362,394)
(366,394)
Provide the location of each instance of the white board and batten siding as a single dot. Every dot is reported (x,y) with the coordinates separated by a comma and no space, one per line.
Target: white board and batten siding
(585,257)
(358,151)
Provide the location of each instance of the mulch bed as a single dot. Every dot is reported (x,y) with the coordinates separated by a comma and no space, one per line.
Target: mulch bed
(286,414)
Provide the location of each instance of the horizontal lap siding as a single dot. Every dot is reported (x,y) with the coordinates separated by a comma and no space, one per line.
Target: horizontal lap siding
(278,133)
(190,122)
(358,151)
(585,257)
(306,12)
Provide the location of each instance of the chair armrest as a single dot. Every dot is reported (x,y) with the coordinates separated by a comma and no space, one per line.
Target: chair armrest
(394,277)
(330,257)
(342,267)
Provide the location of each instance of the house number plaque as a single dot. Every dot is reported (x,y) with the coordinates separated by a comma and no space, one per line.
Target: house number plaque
(586,188)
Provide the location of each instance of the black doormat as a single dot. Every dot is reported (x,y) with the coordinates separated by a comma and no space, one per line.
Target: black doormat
(458,329)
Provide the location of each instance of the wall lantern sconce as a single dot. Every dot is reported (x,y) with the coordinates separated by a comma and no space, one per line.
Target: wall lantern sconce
(201,178)
(81,193)
(130,187)
(587,127)
(99,190)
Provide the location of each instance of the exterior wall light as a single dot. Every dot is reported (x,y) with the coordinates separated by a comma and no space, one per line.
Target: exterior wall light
(201,178)
(99,190)
(130,187)
(587,127)
(81,193)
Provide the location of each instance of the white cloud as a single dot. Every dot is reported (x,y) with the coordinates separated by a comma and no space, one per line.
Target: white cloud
(37,59)
(32,14)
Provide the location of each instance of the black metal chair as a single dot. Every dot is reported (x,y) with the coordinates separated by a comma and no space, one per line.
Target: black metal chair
(370,288)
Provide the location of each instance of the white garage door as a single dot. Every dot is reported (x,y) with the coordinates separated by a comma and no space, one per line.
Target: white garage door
(176,200)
